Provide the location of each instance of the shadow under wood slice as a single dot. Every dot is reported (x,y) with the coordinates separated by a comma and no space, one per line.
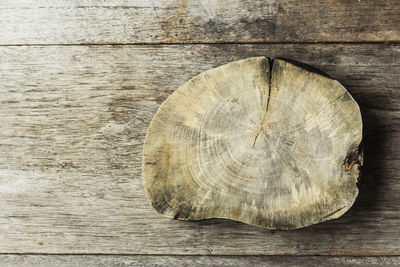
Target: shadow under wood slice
(264,142)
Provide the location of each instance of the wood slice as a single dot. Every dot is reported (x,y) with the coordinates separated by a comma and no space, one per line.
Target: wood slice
(267,143)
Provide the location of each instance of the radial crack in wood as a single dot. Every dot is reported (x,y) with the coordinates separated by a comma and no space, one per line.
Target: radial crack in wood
(271,145)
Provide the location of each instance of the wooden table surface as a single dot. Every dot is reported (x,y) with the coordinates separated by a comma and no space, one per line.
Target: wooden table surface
(81,80)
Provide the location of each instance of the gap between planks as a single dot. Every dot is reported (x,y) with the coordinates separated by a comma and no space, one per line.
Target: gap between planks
(372,254)
(389,42)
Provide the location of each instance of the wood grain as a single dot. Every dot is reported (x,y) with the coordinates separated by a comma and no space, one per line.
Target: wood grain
(193,21)
(102,260)
(72,125)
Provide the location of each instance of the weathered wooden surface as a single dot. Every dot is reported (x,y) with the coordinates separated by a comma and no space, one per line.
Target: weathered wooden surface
(187,21)
(260,141)
(72,125)
(102,260)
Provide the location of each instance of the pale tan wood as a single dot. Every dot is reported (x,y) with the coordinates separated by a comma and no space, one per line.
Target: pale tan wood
(110,260)
(191,21)
(261,141)
(72,126)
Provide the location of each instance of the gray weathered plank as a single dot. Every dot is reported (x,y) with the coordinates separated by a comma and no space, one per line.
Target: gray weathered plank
(109,260)
(188,21)
(72,124)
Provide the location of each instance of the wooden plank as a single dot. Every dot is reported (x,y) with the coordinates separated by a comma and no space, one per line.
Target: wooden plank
(193,21)
(72,125)
(109,260)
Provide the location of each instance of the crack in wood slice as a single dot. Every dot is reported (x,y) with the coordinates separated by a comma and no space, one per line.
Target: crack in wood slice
(267,143)
(266,109)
